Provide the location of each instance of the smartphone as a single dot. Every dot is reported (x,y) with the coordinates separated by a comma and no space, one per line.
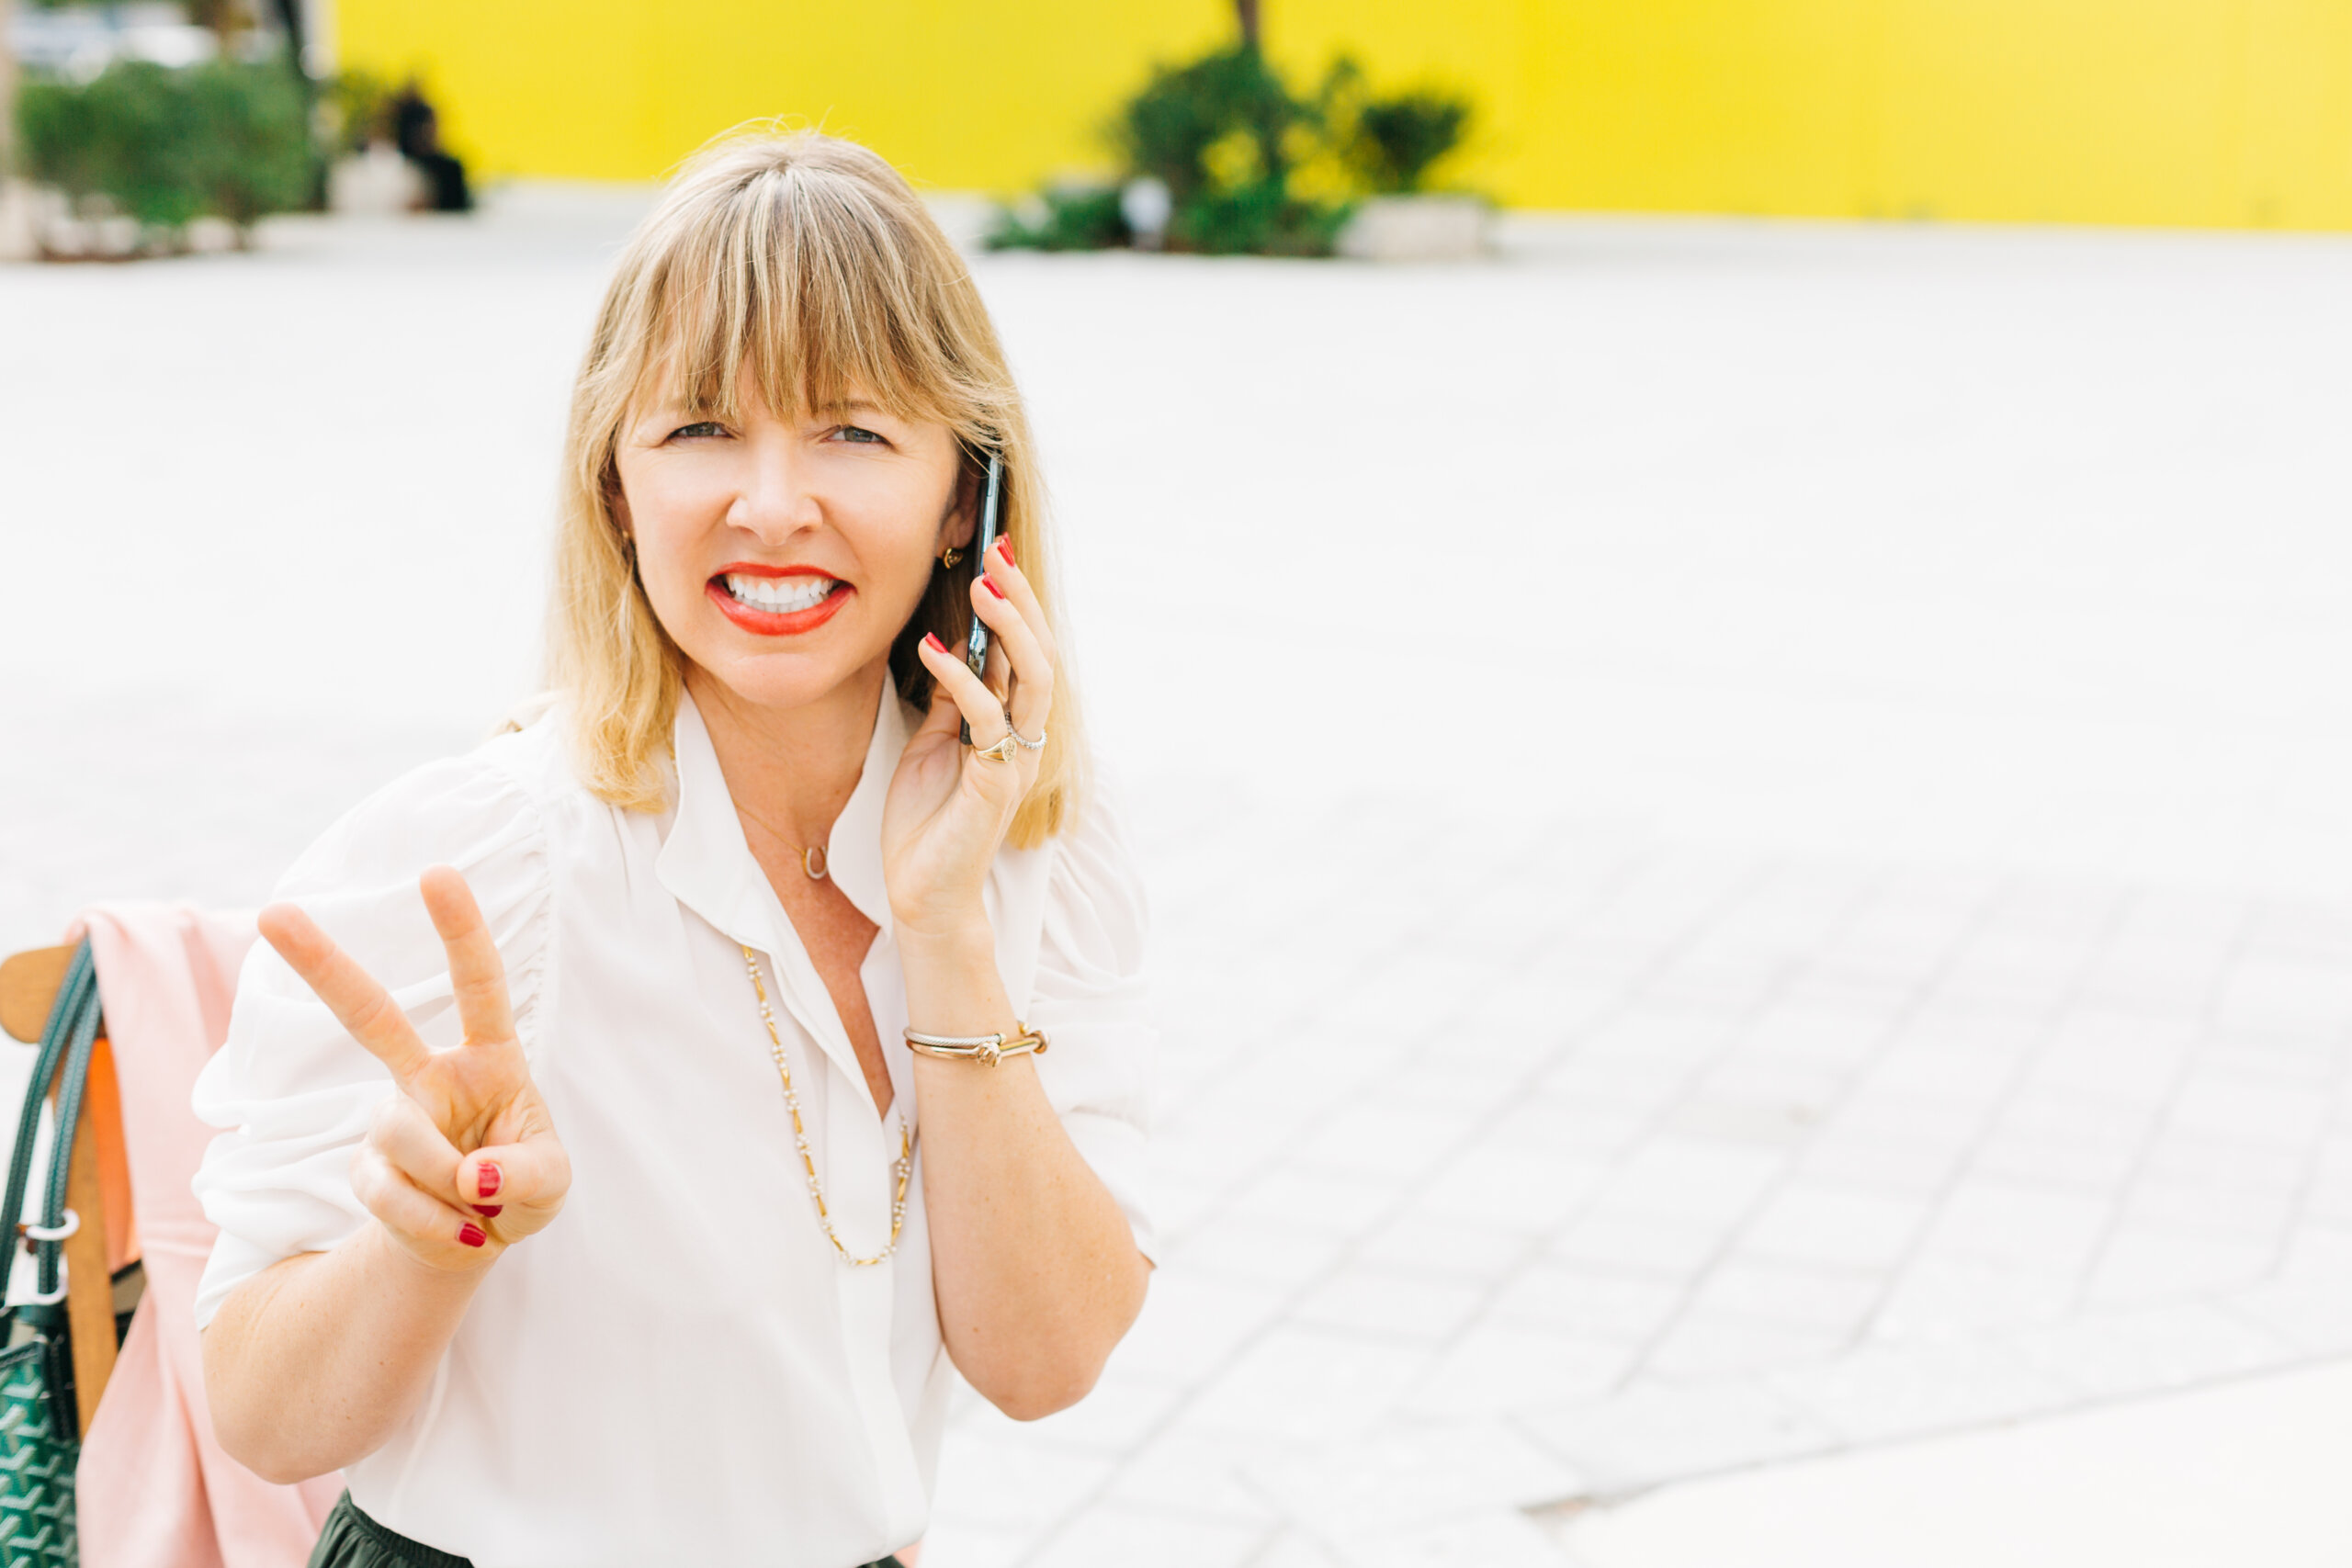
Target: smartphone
(975,644)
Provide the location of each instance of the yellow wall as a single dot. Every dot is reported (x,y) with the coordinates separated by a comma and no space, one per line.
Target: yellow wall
(2229,112)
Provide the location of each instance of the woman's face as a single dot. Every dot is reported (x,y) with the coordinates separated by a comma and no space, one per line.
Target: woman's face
(783,555)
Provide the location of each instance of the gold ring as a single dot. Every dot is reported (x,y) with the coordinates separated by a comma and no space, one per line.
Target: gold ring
(1000,752)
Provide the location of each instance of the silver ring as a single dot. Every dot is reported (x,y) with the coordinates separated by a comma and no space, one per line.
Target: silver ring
(1026,744)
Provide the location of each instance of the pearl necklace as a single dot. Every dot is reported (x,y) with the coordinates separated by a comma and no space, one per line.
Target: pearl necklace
(904,1164)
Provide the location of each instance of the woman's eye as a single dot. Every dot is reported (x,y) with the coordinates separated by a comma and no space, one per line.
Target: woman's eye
(859,436)
(699,429)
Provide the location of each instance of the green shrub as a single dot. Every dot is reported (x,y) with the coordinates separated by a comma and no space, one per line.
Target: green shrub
(1083,218)
(1225,135)
(1230,102)
(1259,219)
(1249,166)
(227,138)
(358,105)
(1389,145)
(1397,139)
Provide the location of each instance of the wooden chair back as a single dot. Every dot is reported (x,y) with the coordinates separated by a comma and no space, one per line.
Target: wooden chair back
(97,1183)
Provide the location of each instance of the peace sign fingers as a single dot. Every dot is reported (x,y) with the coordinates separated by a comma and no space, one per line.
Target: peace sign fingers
(477,974)
(358,1003)
(467,1131)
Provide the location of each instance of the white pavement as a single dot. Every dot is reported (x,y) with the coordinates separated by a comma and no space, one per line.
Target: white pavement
(1746,818)
(2248,1473)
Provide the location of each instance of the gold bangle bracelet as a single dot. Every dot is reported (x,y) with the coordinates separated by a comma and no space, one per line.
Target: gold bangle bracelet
(988,1050)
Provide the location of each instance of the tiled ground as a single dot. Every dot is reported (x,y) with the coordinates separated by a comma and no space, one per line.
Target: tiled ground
(1596,1163)
(1747,820)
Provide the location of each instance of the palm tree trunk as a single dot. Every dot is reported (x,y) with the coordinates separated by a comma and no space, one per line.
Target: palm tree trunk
(1246,13)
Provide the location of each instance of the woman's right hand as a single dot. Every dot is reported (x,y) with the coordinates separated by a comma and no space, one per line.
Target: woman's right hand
(464,1160)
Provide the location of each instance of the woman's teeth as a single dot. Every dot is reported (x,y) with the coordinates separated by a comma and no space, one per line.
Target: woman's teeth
(779,595)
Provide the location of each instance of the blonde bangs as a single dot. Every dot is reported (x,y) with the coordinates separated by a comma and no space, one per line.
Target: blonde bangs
(803,270)
(802,293)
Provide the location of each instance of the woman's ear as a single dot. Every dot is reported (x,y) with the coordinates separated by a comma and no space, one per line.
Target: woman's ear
(962,521)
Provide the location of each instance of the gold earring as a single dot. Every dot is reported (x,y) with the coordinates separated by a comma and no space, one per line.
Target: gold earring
(949,557)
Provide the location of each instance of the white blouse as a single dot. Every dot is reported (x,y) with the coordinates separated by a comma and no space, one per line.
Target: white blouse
(680,1369)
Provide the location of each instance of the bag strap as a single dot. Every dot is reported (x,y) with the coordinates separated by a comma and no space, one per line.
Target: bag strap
(67,1042)
(62,1009)
(55,1225)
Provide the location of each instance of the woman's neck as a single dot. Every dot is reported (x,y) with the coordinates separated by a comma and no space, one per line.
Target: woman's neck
(792,770)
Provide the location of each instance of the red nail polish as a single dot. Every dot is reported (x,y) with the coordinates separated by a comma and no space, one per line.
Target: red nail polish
(473,1234)
(1006,544)
(931,640)
(488,1211)
(488,1178)
(993,587)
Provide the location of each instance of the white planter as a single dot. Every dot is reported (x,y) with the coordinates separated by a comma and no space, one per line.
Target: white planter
(17,235)
(1418,229)
(376,183)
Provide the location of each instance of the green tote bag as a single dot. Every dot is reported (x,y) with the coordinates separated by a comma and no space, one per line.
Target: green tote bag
(40,1422)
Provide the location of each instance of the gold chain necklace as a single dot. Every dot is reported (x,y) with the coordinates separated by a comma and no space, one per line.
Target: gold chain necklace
(904,1164)
(812,859)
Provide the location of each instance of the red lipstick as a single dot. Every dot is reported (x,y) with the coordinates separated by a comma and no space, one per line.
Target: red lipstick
(771,622)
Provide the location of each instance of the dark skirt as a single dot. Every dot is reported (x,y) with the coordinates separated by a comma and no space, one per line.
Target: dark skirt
(352,1540)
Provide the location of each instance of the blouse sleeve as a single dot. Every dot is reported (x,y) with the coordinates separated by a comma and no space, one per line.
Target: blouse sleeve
(292,1090)
(1091,1001)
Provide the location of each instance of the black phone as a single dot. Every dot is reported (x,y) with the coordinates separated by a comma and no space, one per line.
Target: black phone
(975,644)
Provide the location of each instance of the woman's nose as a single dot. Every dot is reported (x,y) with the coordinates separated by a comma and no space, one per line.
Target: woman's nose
(777,497)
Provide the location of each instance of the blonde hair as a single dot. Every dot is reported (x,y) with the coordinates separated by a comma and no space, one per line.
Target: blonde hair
(804,268)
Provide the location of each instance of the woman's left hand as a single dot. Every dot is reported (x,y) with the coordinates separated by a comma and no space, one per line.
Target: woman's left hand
(949,807)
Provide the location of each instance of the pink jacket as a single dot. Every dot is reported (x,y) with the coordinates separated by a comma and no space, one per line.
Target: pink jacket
(155,1490)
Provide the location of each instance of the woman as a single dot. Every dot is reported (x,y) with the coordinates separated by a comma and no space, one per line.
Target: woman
(633,1208)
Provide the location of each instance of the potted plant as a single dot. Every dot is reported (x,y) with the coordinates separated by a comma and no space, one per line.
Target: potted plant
(1390,144)
(1211,151)
(1219,156)
(144,152)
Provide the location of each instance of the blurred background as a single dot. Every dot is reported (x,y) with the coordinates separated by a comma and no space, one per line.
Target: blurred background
(1750,854)
(2207,112)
